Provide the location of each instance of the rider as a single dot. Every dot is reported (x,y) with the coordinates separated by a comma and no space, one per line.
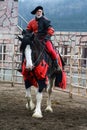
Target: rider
(41,27)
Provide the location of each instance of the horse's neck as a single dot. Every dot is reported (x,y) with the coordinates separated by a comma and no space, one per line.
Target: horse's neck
(38,47)
(39,52)
(38,44)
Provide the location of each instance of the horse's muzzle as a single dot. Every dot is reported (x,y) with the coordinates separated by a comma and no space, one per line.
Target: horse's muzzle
(29,67)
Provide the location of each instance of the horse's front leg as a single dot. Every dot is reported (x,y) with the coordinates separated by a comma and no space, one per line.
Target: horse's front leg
(29,104)
(49,91)
(38,112)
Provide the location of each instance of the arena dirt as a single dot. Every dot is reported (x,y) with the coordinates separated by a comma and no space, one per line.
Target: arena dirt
(69,114)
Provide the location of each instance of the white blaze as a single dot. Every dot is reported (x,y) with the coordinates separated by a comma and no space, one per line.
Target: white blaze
(28,56)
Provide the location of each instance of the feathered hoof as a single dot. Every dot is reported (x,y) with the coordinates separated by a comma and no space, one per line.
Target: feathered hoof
(37,115)
(49,109)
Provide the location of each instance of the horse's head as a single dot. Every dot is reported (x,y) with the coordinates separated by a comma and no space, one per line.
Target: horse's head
(32,49)
(26,45)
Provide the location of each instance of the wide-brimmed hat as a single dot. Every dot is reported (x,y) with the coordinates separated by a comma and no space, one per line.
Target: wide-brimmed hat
(36,9)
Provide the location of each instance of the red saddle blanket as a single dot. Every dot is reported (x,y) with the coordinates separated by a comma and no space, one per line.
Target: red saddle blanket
(40,72)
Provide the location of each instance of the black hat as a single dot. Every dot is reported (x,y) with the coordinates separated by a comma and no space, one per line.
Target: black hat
(36,9)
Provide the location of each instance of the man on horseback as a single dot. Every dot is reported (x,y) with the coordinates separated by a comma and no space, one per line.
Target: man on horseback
(42,28)
(36,40)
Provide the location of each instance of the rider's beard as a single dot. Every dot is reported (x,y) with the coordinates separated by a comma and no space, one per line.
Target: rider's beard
(38,16)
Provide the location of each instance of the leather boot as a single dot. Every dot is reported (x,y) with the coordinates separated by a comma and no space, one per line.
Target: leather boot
(56,65)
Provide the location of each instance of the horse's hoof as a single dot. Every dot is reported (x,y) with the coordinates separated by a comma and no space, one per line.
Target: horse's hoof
(27,106)
(37,115)
(32,106)
(49,109)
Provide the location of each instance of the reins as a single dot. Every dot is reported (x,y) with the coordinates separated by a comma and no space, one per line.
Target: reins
(37,60)
(40,55)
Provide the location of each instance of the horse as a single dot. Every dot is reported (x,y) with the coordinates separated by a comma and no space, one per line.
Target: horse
(38,71)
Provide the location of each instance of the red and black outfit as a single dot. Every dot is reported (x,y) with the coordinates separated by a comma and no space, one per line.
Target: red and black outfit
(42,28)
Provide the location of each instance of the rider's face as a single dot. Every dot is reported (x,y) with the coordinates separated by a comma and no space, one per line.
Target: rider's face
(39,13)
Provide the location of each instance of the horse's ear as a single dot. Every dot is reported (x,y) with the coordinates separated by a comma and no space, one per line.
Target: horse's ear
(20,38)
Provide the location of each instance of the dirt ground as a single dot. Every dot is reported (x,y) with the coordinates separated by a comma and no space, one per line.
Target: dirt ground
(69,114)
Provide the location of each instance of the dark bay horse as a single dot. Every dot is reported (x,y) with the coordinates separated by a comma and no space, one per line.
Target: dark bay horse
(38,70)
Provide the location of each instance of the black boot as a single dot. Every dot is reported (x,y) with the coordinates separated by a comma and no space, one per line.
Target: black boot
(56,65)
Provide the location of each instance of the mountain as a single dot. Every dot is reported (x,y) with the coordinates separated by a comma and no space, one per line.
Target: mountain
(65,15)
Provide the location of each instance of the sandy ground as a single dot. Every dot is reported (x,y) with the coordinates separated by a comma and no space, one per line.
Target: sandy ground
(69,114)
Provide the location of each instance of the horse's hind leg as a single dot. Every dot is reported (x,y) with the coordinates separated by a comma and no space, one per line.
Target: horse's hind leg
(49,91)
(30,104)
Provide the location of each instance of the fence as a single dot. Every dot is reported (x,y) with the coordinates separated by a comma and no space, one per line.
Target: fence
(73,48)
(9,59)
